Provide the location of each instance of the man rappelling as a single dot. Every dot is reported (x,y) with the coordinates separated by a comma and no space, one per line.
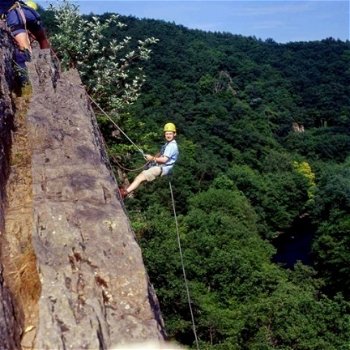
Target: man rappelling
(161,164)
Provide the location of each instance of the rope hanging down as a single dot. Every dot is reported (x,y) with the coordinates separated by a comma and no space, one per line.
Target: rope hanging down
(175,217)
(176,223)
(115,124)
(183,267)
(114,159)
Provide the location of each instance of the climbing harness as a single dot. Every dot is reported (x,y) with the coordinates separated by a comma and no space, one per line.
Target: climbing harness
(17,7)
(114,159)
(174,211)
(16,20)
(183,267)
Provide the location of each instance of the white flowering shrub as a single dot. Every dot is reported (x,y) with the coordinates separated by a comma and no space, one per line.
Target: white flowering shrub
(110,70)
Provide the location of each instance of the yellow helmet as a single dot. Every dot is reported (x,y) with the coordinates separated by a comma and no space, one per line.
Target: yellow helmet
(169,127)
(32,4)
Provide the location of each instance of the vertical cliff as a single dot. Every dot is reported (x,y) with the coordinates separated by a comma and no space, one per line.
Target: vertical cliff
(71,260)
(10,320)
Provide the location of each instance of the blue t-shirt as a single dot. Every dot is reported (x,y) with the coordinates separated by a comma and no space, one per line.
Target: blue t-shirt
(171,151)
(5,5)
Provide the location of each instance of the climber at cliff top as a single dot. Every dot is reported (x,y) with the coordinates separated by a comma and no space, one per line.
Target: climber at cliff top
(160,165)
(21,17)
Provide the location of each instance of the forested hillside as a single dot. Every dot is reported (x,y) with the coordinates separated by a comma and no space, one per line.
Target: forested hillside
(264,137)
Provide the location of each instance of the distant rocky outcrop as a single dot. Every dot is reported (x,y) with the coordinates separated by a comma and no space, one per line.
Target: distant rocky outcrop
(89,286)
(298,127)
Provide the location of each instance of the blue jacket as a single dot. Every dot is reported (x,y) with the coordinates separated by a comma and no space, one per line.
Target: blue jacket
(5,5)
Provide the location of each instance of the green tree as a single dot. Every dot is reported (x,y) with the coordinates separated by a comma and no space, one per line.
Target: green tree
(110,69)
(234,100)
(277,197)
(241,300)
(332,212)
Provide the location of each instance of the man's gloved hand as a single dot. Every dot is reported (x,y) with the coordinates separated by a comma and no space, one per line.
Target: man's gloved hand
(149,158)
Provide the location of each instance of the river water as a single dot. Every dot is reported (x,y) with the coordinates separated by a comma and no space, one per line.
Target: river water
(295,244)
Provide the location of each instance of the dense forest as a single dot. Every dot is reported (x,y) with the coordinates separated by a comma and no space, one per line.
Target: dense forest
(262,187)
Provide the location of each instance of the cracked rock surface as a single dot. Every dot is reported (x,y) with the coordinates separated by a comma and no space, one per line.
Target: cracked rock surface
(10,322)
(95,291)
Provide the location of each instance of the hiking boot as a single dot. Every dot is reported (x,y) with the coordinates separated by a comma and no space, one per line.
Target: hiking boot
(123,192)
(26,90)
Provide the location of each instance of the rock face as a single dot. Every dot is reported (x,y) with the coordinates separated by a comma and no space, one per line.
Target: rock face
(6,116)
(10,325)
(94,290)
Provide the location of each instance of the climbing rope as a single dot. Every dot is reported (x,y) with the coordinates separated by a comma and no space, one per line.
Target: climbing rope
(183,267)
(115,124)
(174,211)
(175,217)
(114,159)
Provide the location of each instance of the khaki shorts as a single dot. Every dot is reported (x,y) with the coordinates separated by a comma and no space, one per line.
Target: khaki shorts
(152,173)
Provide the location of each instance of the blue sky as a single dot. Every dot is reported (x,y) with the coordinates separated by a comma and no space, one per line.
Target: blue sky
(281,20)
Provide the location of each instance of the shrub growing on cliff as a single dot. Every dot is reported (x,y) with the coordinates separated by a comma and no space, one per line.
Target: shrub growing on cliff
(110,69)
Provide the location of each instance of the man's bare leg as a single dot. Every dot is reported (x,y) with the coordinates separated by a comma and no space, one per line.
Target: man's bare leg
(23,42)
(136,183)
